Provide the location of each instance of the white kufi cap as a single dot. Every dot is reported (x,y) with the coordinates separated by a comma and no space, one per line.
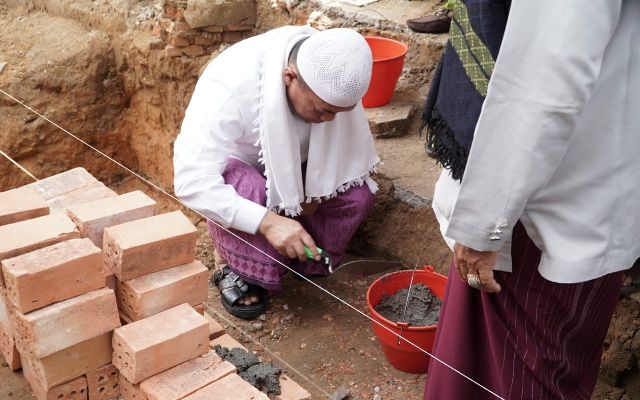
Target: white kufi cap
(336,64)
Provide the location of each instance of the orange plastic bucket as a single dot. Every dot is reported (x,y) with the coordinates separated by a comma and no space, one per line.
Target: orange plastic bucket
(400,354)
(388,60)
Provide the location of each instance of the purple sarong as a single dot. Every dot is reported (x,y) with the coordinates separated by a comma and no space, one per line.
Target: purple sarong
(331,227)
(535,339)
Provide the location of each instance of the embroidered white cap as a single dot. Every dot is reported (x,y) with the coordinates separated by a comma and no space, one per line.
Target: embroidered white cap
(336,64)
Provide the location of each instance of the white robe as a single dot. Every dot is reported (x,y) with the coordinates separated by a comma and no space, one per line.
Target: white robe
(239,109)
(557,144)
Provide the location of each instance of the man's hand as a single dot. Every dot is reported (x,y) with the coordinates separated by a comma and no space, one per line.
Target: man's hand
(287,236)
(481,263)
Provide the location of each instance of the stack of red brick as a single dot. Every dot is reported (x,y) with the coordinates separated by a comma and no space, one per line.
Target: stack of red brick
(70,243)
(179,38)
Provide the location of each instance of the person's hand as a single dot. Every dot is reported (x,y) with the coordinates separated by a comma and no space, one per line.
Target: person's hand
(309,208)
(287,236)
(473,262)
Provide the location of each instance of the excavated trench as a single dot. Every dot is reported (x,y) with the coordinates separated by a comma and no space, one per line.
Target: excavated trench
(101,70)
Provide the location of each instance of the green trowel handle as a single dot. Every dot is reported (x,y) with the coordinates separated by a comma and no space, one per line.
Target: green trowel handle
(309,254)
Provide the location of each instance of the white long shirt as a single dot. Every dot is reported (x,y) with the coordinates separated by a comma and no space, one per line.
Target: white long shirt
(217,125)
(557,144)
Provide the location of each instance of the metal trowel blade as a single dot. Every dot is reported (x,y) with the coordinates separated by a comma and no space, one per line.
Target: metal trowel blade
(361,269)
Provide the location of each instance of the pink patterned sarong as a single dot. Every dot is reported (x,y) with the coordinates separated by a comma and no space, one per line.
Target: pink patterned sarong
(331,226)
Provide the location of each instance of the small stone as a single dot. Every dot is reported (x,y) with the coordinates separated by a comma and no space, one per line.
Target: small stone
(286,307)
(256,326)
(377,397)
(303,345)
(376,389)
(262,317)
(193,51)
(287,318)
(391,120)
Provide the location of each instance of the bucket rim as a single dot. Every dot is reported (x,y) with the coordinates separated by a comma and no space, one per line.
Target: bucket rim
(426,269)
(405,48)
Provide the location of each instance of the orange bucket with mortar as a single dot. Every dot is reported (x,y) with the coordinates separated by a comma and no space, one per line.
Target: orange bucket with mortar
(400,354)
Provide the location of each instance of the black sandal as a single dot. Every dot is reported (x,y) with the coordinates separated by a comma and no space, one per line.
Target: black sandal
(233,288)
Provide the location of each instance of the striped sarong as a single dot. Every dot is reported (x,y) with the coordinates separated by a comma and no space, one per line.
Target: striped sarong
(535,339)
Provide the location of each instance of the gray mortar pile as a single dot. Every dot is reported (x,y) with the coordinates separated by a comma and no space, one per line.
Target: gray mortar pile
(263,376)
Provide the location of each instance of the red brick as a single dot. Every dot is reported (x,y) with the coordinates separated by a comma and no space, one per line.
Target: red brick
(74,390)
(92,192)
(170,10)
(179,27)
(92,218)
(19,204)
(64,324)
(130,391)
(215,329)
(290,390)
(203,41)
(149,245)
(52,274)
(172,51)
(71,187)
(103,383)
(213,29)
(65,182)
(229,387)
(71,362)
(232,37)
(157,29)
(111,281)
(199,308)
(8,349)
(226,341)
(153,345)
(25,236)
(150,294)
(186,378)
(179,41)
(5,317)
(124,319)
(193,51)
(239,27)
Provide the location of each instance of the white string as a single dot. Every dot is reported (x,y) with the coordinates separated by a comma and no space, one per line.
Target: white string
(18,165)
(249,244)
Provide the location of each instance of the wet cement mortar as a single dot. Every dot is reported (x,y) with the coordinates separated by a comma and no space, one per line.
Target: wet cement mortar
(421,309)
(261,375)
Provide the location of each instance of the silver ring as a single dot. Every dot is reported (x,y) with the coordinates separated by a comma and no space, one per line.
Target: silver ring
(474,281)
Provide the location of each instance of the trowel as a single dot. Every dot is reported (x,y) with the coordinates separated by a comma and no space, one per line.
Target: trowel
(356,269)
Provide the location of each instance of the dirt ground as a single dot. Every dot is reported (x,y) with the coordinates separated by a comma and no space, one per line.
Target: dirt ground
(89,69)
(317,340)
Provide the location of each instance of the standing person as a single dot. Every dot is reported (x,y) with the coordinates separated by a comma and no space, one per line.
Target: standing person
(539,198)
(275,145)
